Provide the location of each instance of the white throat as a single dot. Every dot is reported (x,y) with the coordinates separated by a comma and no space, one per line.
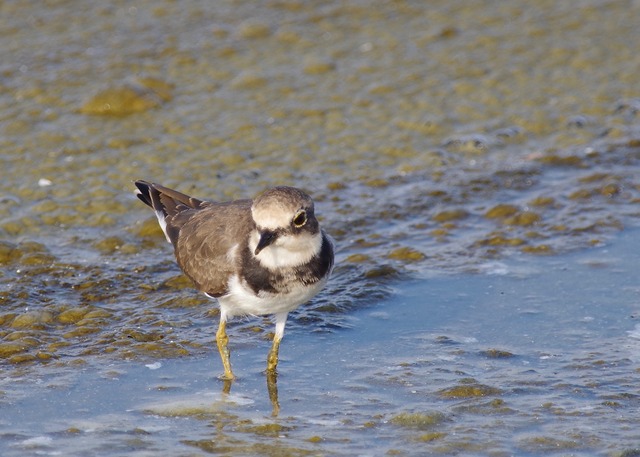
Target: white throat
(287,251)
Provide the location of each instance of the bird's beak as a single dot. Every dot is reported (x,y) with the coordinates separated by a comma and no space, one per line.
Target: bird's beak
(266,238)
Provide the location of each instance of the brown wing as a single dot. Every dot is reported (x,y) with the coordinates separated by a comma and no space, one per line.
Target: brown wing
(202,233)
(205,240)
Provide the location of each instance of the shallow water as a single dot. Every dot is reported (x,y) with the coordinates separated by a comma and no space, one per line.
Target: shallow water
(476,162)
(532,357)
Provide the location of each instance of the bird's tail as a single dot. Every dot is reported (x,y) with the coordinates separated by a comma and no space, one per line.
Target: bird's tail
(167,203)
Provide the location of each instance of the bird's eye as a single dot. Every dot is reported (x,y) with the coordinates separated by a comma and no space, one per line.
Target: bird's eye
(300,219)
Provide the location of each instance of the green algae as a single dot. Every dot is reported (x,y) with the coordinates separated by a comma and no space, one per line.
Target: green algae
(469,390)
(562,161)
(96,314)
(253,29)
(269,429)
(523,218)
(314,65)
(420,421)
(539,249)
(610,190)
(377,182)
(109,245)
(550,444)
(382,271)
(265,449)
(496,406)
(581,194)
(501,240)
(450,215)
(358,258)
(406,254)
(137,96)
(8,252)
(141,336)
(629,453)
(21,358)
(32,320)
(543,201)
(462,447)
(148,228)
(431,436)
(81,332)
(27,252)
(439,233)
(501,211)
(178,282)
(156,349)
(72,315)
(9,349)
(497,354)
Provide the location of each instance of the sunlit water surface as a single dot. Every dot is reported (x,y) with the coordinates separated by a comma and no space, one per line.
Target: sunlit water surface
(529,357)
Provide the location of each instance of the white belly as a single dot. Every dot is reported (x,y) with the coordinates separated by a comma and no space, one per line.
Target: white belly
(241,299)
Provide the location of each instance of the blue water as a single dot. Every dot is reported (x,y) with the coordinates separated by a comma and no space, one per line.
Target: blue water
(566,384)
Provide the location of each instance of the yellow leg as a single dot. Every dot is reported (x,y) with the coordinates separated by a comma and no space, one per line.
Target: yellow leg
(272,364)
(223,340)
(272,359)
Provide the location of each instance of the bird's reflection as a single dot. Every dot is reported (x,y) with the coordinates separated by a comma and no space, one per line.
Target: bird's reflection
(272,389)
(226,386)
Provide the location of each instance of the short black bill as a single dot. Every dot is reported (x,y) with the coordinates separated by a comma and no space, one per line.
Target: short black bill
(266,238)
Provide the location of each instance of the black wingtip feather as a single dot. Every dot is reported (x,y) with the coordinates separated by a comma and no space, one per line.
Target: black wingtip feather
(144,192)
(144,198)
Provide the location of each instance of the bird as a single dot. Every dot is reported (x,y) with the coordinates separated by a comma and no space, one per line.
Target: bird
(262,256)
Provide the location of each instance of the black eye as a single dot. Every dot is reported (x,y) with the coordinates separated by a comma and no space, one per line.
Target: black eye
(300,219)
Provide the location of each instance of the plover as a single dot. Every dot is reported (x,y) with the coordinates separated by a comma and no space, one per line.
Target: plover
(256,257)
